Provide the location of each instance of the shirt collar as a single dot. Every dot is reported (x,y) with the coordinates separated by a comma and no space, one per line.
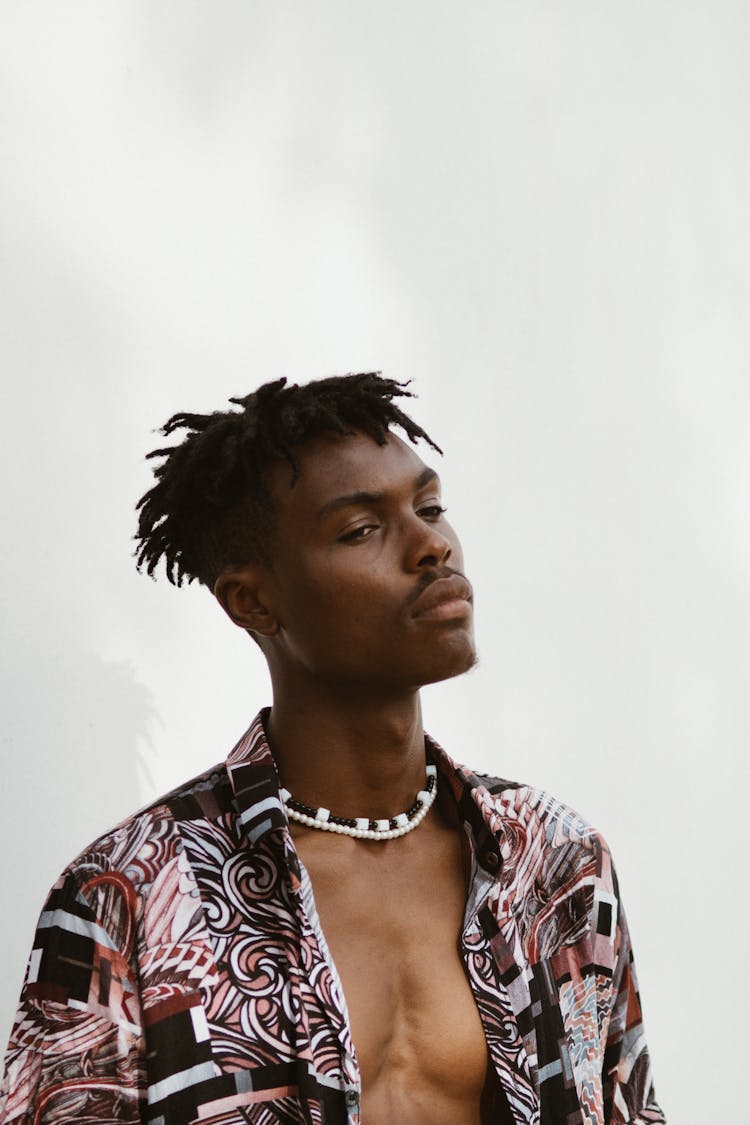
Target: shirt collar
(255,784)
(476,806)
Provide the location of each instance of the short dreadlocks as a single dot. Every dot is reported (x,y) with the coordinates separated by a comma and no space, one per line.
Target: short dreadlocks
(211,507)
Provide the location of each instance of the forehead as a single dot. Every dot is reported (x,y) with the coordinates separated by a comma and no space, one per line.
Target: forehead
(334,464)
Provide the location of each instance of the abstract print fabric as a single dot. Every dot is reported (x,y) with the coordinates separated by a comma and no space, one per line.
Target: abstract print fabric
(179,974)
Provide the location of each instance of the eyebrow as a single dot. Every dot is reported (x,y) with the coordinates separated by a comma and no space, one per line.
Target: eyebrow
(352,498)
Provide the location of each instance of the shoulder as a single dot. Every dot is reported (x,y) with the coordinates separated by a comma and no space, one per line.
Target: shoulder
(142,845)
(520,803)
(547,847)
(557,876)
(125,902)
(130,890)
(503,803)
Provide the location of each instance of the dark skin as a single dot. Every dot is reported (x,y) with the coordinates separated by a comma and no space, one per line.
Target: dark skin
(349,644)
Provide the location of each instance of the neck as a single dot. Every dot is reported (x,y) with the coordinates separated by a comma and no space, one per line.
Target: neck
(356,755)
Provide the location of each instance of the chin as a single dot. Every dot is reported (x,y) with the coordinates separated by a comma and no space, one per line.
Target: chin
(452,664)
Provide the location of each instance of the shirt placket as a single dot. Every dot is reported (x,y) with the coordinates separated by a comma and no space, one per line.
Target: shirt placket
(505,1043)
(338,1015)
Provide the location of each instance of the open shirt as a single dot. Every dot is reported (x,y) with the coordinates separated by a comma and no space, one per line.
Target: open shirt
(179,973)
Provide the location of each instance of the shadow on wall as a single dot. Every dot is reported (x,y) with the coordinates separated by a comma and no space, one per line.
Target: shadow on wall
(75,739)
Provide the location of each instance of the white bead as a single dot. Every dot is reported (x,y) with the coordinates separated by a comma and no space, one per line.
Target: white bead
(361,829)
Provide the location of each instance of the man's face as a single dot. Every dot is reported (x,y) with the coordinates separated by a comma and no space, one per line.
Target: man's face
(358,546)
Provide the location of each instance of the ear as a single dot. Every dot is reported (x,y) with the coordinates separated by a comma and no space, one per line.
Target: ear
(244,597)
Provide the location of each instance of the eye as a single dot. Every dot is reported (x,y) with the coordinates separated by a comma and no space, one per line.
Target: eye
(358,533)
(432,511)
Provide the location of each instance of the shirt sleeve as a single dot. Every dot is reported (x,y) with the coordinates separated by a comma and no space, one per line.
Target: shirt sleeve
(629,1097)
(76,1049)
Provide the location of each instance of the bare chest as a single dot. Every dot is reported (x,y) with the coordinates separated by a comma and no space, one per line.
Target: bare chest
(392,922)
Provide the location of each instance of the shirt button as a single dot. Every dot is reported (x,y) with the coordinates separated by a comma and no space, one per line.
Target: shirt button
(492,861)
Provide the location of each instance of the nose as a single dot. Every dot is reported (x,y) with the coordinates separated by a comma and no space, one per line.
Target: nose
(429,547)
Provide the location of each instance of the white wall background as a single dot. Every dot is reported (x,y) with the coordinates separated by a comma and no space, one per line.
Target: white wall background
(537,211)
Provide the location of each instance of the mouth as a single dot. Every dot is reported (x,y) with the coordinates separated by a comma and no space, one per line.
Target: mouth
(445,599)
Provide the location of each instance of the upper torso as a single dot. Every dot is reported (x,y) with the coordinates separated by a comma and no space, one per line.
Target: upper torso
(392,915)
(179,973)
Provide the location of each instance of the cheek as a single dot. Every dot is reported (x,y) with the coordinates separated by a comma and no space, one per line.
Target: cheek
(331,592)
(350,598)
(357,596)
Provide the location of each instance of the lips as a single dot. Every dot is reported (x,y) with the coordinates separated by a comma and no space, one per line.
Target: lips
(441,592)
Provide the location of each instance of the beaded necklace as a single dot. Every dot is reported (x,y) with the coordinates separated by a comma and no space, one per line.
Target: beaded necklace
(362,827)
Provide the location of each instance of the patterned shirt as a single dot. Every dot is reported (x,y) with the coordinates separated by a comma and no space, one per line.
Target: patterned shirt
(179,973)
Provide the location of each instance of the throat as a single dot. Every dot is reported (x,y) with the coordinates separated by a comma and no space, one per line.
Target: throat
(369,762)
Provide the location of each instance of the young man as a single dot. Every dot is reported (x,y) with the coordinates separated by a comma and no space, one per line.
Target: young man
(338,924)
